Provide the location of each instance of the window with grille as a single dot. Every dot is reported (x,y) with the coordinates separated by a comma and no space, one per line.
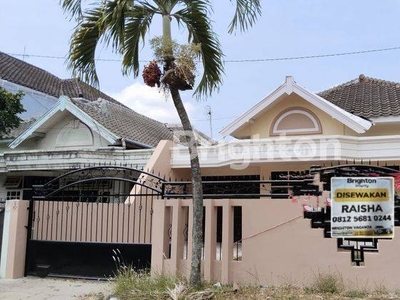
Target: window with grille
(13,195)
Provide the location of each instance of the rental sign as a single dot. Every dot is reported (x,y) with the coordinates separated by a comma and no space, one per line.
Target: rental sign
(362,207)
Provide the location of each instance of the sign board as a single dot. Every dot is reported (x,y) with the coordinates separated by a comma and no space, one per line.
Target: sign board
(362,207)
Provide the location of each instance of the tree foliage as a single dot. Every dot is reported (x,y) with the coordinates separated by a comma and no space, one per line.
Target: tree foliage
(176,60)
(123,25)
(10,107)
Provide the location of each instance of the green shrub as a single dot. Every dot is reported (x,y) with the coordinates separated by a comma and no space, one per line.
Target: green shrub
(326,283)
(129,284)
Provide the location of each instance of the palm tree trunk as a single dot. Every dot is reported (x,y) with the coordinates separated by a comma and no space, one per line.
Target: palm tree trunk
(197,189)
(197,185)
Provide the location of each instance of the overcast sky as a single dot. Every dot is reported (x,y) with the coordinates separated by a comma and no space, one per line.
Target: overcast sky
(287,29)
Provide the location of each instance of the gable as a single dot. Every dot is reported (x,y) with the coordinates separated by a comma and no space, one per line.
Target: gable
(243,126)
(56,120)
(63,132)
(290,116)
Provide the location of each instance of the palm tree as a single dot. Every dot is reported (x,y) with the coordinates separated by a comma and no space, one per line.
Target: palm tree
(123,24)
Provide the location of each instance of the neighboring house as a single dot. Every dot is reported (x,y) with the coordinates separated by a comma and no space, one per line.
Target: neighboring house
(286,149)
(82,159)
(67,124)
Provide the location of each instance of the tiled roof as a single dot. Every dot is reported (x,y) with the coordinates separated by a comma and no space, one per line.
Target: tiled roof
(19,72)
(74,88)
(366,97)
(124,122)
(22,73)
(113,115)
(202,138)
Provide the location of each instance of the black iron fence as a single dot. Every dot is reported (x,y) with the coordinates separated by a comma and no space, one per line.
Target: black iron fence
(245,187)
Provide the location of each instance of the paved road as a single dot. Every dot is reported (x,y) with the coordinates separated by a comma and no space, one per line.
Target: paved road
(35,288)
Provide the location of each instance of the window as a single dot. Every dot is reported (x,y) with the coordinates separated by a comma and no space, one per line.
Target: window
(296,120)
(13,195)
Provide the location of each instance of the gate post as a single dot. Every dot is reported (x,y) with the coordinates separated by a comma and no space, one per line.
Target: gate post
(13,250)
(209,239)
(227,240)
(158,237)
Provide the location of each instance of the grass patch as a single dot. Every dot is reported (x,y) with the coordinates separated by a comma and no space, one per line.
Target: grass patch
(380,290)
(326,283)
(129,284)
(355,294)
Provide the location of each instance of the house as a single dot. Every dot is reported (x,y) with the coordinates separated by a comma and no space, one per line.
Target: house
(83,148)
(262,188)
(267,192)
(67,124)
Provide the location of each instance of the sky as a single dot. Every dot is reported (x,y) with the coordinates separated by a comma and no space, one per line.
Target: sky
(253,65)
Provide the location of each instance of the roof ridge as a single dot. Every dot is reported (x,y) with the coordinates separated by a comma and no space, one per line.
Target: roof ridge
(361,78)
(336,87)
(76,81)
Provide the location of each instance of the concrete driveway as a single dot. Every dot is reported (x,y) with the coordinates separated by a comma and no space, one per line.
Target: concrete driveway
(35,288)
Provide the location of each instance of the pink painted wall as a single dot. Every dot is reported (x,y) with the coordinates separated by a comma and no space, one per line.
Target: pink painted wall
(279,247)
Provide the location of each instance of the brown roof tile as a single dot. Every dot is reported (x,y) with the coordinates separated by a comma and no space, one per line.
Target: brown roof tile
(125,122)
(366,97)
(17,71)
(22,73)
(81,89)
(116,117)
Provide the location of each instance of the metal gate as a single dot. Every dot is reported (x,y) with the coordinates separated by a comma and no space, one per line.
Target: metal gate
(88,221)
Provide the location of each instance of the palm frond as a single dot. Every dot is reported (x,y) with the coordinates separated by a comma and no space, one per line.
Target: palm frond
(83,47)
(106,22)
(113,20)
(137,24)
(246,14)
(165,6)
(73,8)
(195,18)
(188,4)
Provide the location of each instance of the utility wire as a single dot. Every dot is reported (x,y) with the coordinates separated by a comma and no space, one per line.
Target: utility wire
(25,55)
(314,56)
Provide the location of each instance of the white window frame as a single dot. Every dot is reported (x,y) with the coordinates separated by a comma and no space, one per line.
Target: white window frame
(14,195)
(302,111)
